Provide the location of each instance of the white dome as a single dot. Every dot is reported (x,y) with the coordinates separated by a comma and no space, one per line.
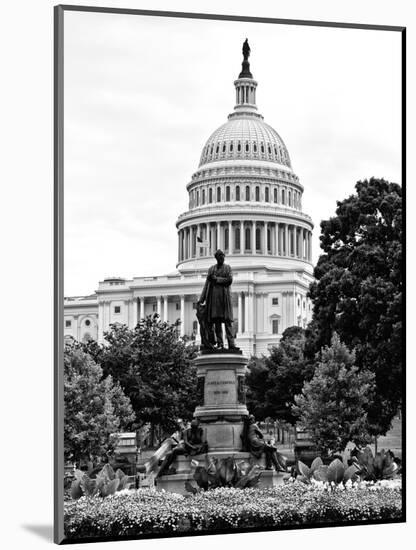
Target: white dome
(248,137)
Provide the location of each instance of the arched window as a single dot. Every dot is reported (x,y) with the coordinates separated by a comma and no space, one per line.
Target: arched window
(255,147)
(262,147)
(239,147)
(237,238)
(227,193)
(218,194)
(247,239)
(223,148)
(217,148)
(283,197)
(197,198)
(210,195)
(247,192)
(257,193)
(212,148)
(203,196)
(275,150)
(231,147)
(258,238)
(237,193)
(247,147)
(275,195)
(269,149)
(266,197)
(289,196)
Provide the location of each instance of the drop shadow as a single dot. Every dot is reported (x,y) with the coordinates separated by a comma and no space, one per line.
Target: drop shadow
(45,532)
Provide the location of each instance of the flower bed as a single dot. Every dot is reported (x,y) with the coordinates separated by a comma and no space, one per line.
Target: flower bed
(135,513)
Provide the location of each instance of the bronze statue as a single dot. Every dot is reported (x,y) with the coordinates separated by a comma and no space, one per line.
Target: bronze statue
(191,444)
(216,299)
(253,441)
(246,50)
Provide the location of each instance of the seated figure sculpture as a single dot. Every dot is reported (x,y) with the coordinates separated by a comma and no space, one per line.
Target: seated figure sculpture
(254,442)
(192,444)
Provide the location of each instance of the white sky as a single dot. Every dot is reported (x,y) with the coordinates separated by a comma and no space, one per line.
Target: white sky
(143,94)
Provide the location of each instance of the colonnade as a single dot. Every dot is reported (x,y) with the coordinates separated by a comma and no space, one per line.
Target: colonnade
(245,237)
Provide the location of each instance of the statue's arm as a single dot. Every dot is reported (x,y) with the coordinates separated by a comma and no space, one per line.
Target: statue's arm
(204,292)
(227,280)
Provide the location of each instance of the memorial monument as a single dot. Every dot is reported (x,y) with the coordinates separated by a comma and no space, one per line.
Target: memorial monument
(222,428)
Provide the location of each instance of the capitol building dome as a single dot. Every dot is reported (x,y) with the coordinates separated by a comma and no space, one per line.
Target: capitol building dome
(245,197)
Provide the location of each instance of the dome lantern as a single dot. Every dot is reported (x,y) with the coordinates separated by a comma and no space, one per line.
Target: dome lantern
(245,87)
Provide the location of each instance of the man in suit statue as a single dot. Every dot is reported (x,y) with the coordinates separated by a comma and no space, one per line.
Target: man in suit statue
(216,297)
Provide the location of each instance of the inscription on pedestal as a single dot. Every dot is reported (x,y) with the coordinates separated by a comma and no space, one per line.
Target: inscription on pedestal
(220,388)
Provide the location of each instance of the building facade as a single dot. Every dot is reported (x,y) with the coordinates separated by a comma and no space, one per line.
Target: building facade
(245,199)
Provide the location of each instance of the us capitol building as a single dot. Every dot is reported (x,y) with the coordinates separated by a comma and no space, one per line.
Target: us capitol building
(245,199)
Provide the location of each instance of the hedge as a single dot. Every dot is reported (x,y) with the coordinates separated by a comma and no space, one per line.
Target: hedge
(146,511)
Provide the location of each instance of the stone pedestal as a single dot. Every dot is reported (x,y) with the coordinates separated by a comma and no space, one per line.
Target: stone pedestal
(222,400)
(221,412)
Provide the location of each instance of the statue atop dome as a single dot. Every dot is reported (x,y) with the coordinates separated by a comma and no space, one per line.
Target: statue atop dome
(245,73)
(246,49)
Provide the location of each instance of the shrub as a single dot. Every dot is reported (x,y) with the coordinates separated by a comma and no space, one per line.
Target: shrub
(106,483)
(151,512)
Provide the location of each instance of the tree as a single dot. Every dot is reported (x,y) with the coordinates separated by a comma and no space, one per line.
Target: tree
(95,408)
(274,381)
(358,289)
(154,369)
(332,405)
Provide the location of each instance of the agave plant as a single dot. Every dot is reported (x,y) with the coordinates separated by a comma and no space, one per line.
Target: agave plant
(371,467)
(226,472)
(106,483)
(335,472)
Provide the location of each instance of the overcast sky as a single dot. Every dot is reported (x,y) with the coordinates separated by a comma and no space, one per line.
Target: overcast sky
(143,94)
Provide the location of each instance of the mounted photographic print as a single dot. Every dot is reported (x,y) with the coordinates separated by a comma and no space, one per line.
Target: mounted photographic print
(228,268)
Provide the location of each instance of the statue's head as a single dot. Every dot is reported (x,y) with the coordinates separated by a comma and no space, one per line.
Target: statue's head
(251,419)
(219,256)
(194,423)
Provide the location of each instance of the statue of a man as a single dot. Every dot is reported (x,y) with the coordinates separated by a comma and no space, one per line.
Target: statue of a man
(216,296)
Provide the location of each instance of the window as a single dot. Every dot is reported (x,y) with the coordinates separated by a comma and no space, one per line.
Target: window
(275,195)
(87,323)
(227,193)
(237,193)
(178,306)
(197,198)
(269,149)
(266,191)
(117,309)
(275,301)
(298,302)
(218,194)
(248,239)
(289,195)
(275,326)
(247,193)
(304,304)
(237,238)
(239,147)
(210,195)
(231,147)
(68,323)
(258,238)
(283,197)
(255,147)
(226,239)
(223,148)
(269,241)
(262,148)
(247,147)
(203,196)
(217,149)
(257,193)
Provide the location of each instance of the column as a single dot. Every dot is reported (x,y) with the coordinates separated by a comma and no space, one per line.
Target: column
(300,243)
(135,304)
(265,250)
(265,313)
(141,307)
(250,311)
(246,307)
(219,236)
(182,315)
(310,246)
(253,238)
(240,313)
(165,308)
(159,305)
(286,237)
(242,237)
(230,238)
(100,321)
